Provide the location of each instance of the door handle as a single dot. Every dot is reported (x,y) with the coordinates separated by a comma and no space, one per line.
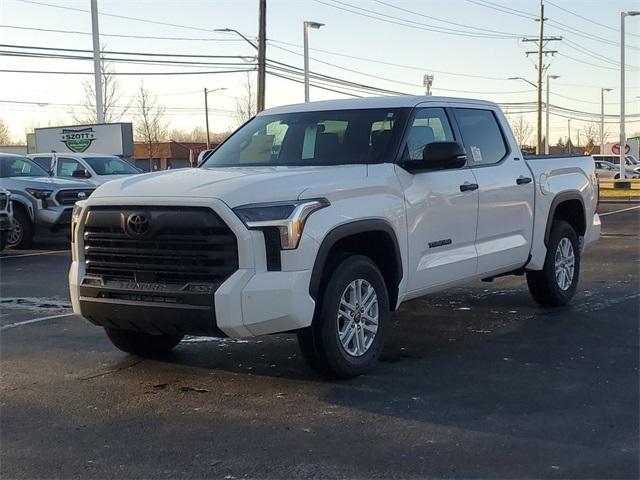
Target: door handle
(468,187)
(523,180)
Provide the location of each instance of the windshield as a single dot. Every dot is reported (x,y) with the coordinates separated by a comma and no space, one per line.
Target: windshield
(110,166)
(20,167)
(312,138)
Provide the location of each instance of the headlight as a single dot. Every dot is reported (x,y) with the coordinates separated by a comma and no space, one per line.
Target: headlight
(77,212)
(39,194)
(288,217)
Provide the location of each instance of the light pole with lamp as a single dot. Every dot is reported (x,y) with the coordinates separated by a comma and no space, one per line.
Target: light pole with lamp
(306,27)
(546,107)
(623,137)
(602,90)
(206,111)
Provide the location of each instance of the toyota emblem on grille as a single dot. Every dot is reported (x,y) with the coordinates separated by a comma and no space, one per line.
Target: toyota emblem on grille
(137,225)
(82,195)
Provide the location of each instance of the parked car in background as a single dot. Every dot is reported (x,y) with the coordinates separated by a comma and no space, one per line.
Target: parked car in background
(93,167)
(321,219)
(38,200)
(632,162)
(609,170)
(6,217)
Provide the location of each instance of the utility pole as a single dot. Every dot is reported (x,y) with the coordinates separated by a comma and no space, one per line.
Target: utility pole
(97,70)
(427,82)
(262,54)
(602,90)
(570,150)
(542,42)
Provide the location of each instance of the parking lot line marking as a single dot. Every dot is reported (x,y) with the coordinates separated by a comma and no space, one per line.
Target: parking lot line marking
(34,320)
(619,211)
(50,252)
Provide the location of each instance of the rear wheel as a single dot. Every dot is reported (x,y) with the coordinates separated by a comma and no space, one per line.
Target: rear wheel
(141,343)
(347,334)
(21,235)
(555,285)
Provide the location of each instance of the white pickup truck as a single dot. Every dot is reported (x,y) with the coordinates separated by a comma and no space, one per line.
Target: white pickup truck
(321,219)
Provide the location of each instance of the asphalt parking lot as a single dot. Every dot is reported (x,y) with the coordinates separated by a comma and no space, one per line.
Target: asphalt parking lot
(477,382)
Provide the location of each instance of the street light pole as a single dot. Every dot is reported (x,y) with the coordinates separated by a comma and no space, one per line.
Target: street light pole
(602,90)
(97,70)
(569,136)
(206,111)
(305,27)
(546,106)
(623,137)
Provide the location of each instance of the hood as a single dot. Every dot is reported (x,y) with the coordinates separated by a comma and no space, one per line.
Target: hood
(47,183)
(98,180)
(234,186)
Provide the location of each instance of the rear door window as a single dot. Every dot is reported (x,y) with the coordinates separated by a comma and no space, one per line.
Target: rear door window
(482,136)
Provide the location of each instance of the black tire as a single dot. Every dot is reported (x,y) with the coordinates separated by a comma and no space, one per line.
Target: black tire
(4,238)
(543,284)
(142,344)
(22,221)
(320,343)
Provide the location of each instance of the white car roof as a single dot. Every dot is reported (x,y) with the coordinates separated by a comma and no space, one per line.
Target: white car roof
(73,154)
(399,101)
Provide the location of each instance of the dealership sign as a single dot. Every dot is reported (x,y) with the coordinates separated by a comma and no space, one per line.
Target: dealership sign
(107,138)
(78,140)
(615,148)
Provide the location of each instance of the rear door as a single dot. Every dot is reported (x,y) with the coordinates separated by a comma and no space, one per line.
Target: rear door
(441,217)
(506,189)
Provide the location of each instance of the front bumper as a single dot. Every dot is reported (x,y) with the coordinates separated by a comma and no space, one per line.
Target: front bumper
(54,217)
(252,301)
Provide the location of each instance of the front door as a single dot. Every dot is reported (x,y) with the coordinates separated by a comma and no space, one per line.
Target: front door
(442,209)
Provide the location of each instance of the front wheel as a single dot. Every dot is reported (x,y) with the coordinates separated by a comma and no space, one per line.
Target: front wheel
(555,285)
(348,330)
(21,235)
(142,344)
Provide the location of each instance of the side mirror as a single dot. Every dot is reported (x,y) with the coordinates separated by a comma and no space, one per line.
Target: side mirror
(439,156)
(80,174)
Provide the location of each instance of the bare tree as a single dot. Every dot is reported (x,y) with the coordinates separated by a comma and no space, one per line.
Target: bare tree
(197,135)
(150,126)
(591,132)
(246,103)
(5,134)
(113,107)
(522,130)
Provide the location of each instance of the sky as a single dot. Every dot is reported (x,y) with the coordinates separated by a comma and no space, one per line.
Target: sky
(386,44)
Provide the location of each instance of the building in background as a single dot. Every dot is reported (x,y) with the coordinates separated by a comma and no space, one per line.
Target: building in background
(167,155)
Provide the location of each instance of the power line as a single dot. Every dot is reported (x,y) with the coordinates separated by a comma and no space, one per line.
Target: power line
(405,23)
(143,37)
(58,72)
(515,35)
(587,19)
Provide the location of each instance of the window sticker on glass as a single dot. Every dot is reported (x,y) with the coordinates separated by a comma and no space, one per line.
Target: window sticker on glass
(476,154)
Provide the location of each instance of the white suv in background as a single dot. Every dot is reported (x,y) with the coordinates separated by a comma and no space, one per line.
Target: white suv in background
(93,167)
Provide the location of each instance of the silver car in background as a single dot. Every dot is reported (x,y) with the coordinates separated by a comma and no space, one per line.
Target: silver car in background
(609,170)
(6,217)
(38,201)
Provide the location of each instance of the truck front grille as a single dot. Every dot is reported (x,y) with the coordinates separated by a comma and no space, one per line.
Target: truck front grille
(70,197)
(178,245)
